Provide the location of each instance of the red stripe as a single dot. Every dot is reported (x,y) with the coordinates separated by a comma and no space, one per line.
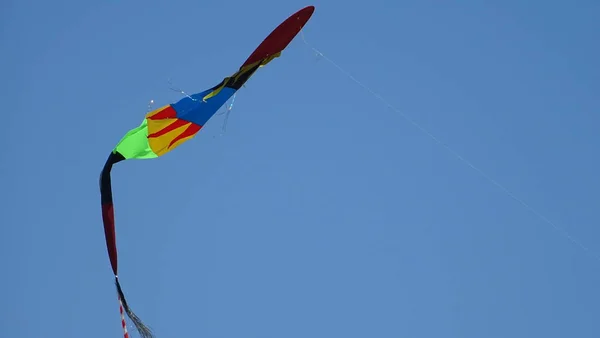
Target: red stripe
(191,130)
(108,217)
(176,124)
(167,113)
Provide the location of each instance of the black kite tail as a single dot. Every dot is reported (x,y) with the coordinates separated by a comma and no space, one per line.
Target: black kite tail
(108,218)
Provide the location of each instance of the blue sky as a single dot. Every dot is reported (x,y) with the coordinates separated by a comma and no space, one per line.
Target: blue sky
(319,212)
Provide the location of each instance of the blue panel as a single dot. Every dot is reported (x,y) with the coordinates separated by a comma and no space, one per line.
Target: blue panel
(196,111)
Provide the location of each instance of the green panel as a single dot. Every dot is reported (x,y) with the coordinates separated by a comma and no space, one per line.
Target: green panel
(134,145)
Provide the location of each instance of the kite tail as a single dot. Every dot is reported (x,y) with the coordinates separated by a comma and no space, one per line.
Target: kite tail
(143,330)
(108,219)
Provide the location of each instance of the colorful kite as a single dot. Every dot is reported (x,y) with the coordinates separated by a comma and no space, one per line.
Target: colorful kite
(167,127)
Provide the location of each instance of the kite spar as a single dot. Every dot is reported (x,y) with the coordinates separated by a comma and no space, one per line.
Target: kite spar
(167,127)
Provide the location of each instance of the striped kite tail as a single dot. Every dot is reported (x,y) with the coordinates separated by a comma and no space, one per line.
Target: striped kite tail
(123,323)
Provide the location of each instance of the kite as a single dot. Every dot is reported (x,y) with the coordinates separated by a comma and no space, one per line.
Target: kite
(167,127)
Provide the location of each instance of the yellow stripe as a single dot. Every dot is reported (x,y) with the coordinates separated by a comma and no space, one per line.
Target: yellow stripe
(159,145)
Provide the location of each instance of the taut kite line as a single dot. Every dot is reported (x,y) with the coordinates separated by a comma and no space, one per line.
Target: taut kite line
(167,127)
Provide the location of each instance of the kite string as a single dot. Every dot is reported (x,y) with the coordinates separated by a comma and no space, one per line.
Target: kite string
(150,105)
(452,151)
(179,91)
(227,112)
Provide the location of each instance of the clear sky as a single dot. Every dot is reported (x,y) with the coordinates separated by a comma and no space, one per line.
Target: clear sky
(319,212)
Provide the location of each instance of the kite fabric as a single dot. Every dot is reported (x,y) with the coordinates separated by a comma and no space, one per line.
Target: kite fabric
(167,127)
